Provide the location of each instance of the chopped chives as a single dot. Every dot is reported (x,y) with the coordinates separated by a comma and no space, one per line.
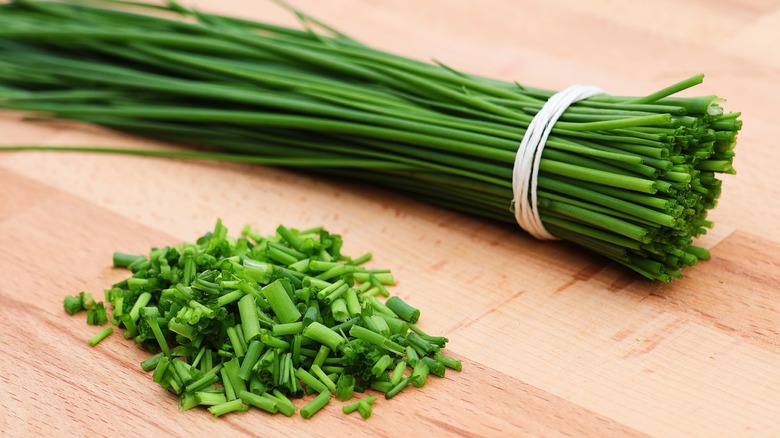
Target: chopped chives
(381,365)
(377,324)
(250,323)
(182,370)
(291,328)
(316,404)
(142,301)
(323,377)
(122,260)
(235,342)
(323,334)
(403,310)
(382,278)
(274,342)
(332,369)
(151,363)
(227,407)
(396,326)
(420,373)
(160,369)
(228,354)
(250,359)
(72,305)
(296,350)
(434,366)
(412,357)
(292,239)
(284,404)
(421,345)
(103,334)
(362,259)
(332,272)
(448,361)
(230,393)
(397,388)
(188,401)
(209,399)
(255,400)
(398,373)
(207,379)
(322,355)
(380,307)
(376,339)
(345,387)
(373,279)
(364,409)
(198,358)
(161,341)
(310,380)
(352,407)
(232,369)
(339,310)
(381,386)
(352,302)
(256,386)
(331,288)
(281,303)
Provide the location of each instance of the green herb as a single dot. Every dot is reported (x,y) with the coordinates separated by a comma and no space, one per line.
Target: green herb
(345,387)
(315,405)
(97,315)
(277,336)
(362,406)
(228,407)
(103,334)
(125,260)
(263,403)
(394,390)
(403,310)
(631,178)
(72,305)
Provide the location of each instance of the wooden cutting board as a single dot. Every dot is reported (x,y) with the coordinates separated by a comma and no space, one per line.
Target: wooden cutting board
(554,341)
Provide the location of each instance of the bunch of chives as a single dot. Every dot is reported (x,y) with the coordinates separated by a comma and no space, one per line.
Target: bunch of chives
(631,178)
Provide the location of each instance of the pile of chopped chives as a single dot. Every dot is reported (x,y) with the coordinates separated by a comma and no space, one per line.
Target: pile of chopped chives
(631,178)
(255,321)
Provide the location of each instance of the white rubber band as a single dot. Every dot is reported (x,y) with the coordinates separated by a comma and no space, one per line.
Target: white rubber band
(529,154)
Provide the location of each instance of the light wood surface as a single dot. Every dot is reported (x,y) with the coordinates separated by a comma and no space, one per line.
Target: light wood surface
(554,340)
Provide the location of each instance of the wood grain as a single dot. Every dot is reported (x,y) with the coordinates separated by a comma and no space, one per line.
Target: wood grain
(555,341)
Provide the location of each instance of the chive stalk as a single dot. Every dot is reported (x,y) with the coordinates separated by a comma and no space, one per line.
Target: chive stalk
(319,100)
(250,323)
(122,260)
(281,302)
(324,335)
(403,310)
(394,390)
(72,305)
(317,371)
(151,363)
(283,403)
(227,407)
(259,402)
(103,334)
(250,359)
(315,405)
(352,407)
(311,380)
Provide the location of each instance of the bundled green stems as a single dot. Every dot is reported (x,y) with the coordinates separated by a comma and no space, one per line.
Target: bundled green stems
(631,178)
